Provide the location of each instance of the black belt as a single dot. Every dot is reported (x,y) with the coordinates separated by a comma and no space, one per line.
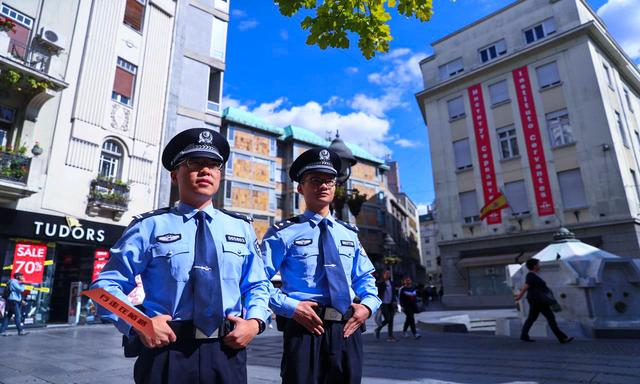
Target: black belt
(331,314)
(185,330)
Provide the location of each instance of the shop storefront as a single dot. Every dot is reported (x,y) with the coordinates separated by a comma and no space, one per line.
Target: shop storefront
(59,257)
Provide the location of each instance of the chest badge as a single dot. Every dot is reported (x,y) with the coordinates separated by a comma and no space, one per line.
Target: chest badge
(303,242)
(236,239)
(169,238)
(347,243)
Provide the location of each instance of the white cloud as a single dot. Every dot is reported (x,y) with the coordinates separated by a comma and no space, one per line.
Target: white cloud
(333,101)
(238,13)
(404,143)
(394,54)
(623,22)
(228,101)
(403,73)
(366,130)
(422,208)
(377,106)
(245,25)
(351,70)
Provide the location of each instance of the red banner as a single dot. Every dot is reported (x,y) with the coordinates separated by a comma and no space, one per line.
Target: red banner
(28,259)
(127,313)
(483,145)
(100,259)
(533,141)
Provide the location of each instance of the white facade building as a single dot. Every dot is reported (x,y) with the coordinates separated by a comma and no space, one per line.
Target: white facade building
(536,101)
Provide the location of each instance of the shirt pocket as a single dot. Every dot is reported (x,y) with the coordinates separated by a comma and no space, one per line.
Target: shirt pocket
(175,257)
(303,260)
(347,255)
(233,256)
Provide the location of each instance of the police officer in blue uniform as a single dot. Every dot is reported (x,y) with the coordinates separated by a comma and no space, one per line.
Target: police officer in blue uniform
(324,268)
(201,270)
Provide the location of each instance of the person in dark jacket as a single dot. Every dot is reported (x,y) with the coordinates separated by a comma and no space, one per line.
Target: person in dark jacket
(540,299)
(408,302)
(388,295)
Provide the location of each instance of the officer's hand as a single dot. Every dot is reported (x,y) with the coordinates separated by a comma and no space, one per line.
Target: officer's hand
(360,315)
(162,334)
(244,331)
(308,318)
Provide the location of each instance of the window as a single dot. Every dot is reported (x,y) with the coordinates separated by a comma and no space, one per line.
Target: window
(540,31)
(229,164)
(623,134)
(134,14)
(508,142)
(499,92)
(559,128)
(279,201)
(635,184)
(451,69)
(572,189)
(628,99)
(231,136)
(125,81)
(608,73)
(548,75)
(273,147)
(272,200)
(469,207)
(19,40)
(456,108)
(227,194)
(111,160)
(218,38)
(516,195)
(491,52)
(462,154)
(215,88)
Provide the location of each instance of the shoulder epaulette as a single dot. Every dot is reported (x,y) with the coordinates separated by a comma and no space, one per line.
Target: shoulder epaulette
(145,215)
(286,223)
(237,215)
(349,226)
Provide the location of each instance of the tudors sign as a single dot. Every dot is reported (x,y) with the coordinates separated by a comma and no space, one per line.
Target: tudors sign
(54,228)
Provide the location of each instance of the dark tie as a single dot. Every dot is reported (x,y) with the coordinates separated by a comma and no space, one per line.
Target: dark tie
(207,294)
(338,287)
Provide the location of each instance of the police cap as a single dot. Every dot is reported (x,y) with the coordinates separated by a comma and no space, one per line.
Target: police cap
(315,160)
(195,142)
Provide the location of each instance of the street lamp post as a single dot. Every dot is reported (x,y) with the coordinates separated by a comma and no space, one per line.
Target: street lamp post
(390,258)
(343,194)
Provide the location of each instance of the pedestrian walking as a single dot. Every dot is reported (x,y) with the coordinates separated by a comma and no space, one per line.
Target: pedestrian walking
(409,302)
(201,270)
(14,304)
(387,294)
(540,300)
(324,268)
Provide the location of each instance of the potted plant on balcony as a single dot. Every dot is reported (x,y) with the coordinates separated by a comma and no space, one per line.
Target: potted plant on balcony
(355,201)
(108,194)
(14,165)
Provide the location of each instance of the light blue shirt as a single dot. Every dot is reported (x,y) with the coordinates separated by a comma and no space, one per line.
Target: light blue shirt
(292,248)
(160,248)
(15,290)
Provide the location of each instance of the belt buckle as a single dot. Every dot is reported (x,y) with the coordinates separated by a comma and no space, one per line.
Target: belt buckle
(332,314)
(199,335)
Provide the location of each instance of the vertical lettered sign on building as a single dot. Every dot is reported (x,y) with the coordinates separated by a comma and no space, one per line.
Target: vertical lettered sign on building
(483,145)
(533,141)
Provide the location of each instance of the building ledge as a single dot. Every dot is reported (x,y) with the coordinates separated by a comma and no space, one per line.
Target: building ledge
(11,190)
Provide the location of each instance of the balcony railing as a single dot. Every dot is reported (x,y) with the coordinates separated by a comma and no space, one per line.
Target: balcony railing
(14,167)
(109,194)
(30,57)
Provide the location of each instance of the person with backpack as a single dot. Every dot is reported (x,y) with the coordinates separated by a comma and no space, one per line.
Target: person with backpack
(13,296)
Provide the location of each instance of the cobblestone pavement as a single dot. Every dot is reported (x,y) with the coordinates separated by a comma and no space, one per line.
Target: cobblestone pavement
(92,354)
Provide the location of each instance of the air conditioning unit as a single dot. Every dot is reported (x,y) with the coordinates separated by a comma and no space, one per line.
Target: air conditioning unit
(51,39)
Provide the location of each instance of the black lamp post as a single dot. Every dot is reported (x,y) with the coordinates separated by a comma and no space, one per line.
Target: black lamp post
(348,161)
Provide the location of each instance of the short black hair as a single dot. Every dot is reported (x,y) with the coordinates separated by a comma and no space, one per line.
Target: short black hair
(531,263)
(17,275)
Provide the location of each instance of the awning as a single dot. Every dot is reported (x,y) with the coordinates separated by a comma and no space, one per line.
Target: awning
(481,261)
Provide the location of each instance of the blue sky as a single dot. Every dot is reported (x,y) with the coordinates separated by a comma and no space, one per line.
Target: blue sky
(274,74)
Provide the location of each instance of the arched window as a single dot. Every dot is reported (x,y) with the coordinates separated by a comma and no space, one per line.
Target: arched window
(111,160)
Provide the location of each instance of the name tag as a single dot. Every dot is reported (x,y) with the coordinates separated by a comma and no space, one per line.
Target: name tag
(303,242)
(347,243)
(169,238)
(236,239)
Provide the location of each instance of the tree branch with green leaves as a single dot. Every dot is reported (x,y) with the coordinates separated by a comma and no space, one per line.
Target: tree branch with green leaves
(332,21)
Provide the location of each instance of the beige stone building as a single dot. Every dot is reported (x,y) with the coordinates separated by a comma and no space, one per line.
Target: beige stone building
(256,182)
(538,101)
